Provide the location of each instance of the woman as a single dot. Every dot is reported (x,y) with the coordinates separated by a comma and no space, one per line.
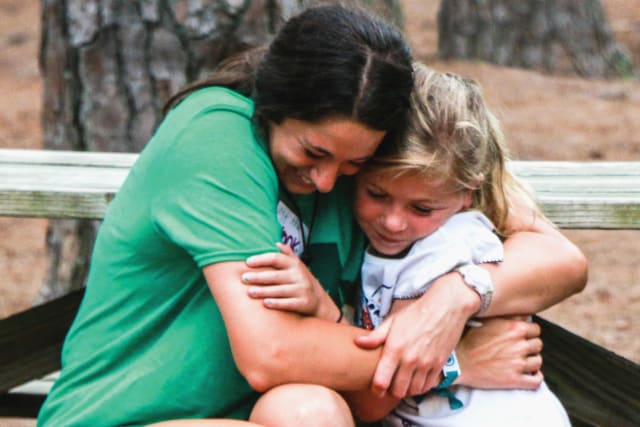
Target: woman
(235,166)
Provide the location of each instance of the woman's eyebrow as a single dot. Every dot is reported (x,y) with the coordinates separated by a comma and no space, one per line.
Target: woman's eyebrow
(321,150)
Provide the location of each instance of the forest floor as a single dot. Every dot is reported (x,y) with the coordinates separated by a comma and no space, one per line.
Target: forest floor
(551,117)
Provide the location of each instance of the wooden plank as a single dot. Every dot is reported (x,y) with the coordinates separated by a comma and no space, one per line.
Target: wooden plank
(38,204)
(68,184)
(60,184)
(79,158)
(585,195)
(39,386)
(31,341)
(596,386)
(592,214)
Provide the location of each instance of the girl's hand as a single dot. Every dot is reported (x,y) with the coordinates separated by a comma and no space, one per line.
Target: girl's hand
(420,337)
(502,353)
(283,282)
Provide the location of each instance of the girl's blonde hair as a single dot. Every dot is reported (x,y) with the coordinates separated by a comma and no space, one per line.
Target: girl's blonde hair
(454,138)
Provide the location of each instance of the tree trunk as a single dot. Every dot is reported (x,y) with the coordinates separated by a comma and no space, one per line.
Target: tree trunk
(553,35)
(109,66)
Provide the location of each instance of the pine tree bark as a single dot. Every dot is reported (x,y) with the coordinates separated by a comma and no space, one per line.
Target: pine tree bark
(553,35)
(109,66)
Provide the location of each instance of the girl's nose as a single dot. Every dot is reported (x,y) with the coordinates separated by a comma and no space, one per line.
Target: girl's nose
(394,220)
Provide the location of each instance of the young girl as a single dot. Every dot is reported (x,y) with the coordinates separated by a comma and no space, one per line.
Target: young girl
(440,202)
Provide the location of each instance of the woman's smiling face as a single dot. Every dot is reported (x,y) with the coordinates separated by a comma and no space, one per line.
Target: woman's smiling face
(310,157)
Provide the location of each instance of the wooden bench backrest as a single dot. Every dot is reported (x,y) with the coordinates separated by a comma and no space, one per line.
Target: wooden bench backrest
(58,184)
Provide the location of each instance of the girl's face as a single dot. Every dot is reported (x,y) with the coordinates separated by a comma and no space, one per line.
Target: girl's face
(310,157)
(394,213)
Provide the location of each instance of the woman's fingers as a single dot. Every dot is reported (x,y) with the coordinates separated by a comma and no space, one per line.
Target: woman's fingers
(535,345)
(375,338)
(423,381)
(384,374)
(532,364)
(530,381)
(532,329)
(405,372)
(418,383)
(402,380)
(410,378)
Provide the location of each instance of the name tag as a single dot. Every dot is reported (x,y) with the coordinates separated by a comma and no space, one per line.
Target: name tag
(291,228)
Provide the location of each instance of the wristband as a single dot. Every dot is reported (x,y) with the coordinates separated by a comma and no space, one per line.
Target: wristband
(450,371)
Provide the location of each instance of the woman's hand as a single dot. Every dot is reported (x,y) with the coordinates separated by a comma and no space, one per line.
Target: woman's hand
(419,336)
(502,353)
(283,282)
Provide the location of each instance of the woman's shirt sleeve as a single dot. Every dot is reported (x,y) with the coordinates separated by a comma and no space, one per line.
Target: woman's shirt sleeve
(217,198)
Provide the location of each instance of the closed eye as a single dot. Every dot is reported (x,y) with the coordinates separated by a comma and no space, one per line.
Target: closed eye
(358,163)
(423,210)
(375,194)
(312,154)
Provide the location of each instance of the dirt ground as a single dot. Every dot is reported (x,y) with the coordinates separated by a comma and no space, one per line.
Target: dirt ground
(544,116)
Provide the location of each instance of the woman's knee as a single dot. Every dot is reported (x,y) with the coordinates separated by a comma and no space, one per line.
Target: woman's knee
(302,404)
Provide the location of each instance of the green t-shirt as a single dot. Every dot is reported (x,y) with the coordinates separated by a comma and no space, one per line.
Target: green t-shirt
(148,342)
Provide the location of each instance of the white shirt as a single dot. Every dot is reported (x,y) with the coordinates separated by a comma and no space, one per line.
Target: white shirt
(466,238)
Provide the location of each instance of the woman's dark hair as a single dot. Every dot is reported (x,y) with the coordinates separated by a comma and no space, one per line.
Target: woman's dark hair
(327,62)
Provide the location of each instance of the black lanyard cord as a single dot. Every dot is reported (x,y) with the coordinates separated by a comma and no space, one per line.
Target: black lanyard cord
(306,238)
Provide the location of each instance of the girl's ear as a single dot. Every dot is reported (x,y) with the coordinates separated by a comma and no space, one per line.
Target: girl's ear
(468,199)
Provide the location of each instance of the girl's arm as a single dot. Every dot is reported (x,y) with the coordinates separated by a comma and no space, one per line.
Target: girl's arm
(541,268)
(283,282)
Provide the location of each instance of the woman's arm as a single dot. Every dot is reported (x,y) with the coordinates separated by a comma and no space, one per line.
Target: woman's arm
(541,267)
(504,353)
(273,347)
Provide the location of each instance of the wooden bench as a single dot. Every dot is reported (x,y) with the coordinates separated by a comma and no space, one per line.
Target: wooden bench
(598,387)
